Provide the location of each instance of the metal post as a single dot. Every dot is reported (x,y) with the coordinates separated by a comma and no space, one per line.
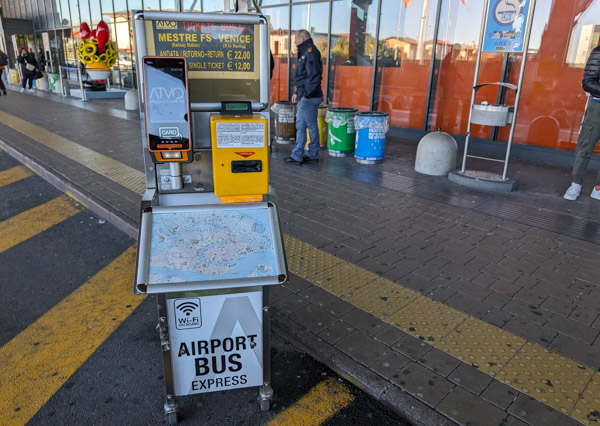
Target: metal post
(60,78)
(432,65)
(375,52)
(518,95)
(326,99)
(80,77)
(475,78)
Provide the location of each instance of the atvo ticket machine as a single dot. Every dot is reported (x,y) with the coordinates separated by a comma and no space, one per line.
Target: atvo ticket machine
(210,243)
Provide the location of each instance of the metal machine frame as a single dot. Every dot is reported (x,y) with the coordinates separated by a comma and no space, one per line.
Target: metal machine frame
(190,192)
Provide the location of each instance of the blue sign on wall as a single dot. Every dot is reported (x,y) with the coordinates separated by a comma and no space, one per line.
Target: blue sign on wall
(505,26)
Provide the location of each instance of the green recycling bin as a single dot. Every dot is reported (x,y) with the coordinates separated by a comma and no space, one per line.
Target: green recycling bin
(341,133)
(52,79)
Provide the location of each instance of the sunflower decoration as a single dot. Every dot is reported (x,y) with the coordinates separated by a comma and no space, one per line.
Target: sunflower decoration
(95,50)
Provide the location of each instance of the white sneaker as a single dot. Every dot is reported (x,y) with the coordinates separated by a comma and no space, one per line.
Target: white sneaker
(596,192)
(573,192)
(22,90)
(31,90)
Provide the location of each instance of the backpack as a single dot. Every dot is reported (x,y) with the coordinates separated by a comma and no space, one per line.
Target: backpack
(3,59)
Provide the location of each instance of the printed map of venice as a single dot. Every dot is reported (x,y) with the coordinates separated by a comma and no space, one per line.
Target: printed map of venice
(211,245)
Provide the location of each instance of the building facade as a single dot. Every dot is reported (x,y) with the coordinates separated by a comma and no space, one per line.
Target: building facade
(414,59)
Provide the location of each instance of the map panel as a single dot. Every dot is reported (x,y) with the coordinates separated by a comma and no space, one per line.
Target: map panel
(208,245)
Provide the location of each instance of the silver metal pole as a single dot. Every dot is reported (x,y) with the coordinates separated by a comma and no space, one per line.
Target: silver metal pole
(60,78)
(475,80)
(375,51)
(80,77)
(518,95)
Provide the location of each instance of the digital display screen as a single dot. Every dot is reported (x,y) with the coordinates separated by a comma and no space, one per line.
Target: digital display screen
(236,107)
(167,104)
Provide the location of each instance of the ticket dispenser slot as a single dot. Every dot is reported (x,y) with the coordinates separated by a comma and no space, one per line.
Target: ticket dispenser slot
(240,153)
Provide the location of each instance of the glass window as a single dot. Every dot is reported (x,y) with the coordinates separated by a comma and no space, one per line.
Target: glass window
(36,15)
(69,45)
(95,13)
(28,14)
(279,36)
(352,53)
(272,2)
(173,5)
(50,13)
(75,21)
(404,59)
(315,19)
(191,6)
(84,12)
(151,4)
(215,5)
(552,100)
(62,7)
(454,69)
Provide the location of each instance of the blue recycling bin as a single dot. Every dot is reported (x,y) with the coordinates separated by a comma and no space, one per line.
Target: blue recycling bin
(371,127)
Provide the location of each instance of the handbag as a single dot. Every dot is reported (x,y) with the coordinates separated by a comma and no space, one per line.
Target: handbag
(38,75)
(30,67)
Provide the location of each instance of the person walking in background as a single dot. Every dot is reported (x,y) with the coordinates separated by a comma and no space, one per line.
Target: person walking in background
(3,64)
(308,95)
(28,68)
(41,60)
(590,128)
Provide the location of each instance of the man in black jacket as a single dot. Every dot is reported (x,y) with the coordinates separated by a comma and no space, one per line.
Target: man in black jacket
(590,128)
(308,95)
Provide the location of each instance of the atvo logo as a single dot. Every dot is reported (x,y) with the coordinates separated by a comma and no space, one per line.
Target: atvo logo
(164,93)
(166,25)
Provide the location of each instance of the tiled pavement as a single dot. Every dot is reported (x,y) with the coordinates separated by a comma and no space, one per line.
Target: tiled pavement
(524,263)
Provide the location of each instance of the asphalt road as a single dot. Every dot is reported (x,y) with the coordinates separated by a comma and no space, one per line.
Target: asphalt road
(78,348)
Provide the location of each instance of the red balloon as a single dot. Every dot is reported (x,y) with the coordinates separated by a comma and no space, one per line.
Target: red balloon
(93,34)
(102,36)
(84,31)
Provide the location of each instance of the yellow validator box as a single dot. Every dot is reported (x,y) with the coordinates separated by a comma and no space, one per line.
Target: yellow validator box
(240,154)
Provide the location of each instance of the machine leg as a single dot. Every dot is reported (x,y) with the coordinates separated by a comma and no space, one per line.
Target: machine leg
(170,410)
(264,397)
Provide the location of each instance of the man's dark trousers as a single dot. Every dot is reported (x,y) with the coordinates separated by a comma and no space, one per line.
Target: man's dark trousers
(306,118)
(588,138)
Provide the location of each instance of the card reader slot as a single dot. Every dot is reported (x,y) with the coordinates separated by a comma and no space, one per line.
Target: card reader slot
(246,166)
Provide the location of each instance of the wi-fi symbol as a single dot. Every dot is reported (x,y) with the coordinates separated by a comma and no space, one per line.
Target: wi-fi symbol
(187,307)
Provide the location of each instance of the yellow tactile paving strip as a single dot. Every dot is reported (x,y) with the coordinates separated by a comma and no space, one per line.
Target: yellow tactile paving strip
(116,171)
(563,384)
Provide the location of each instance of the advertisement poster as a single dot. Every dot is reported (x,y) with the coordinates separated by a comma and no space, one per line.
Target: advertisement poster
(505,26)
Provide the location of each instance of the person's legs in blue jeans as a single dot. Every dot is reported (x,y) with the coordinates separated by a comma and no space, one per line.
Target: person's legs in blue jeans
(312,117)
(301,124)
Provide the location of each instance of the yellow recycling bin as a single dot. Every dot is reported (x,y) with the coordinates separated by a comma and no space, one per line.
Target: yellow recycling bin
(322,128)
(14,76)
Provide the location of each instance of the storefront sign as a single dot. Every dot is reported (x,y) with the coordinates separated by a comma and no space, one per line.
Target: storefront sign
(505,26)
(211,49)
(216,342)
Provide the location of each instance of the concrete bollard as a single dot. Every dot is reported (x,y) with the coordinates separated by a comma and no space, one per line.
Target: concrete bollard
(131,100)
(436,154)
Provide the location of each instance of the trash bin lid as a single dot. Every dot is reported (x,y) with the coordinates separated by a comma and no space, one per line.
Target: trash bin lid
(346,110)
(373,114)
